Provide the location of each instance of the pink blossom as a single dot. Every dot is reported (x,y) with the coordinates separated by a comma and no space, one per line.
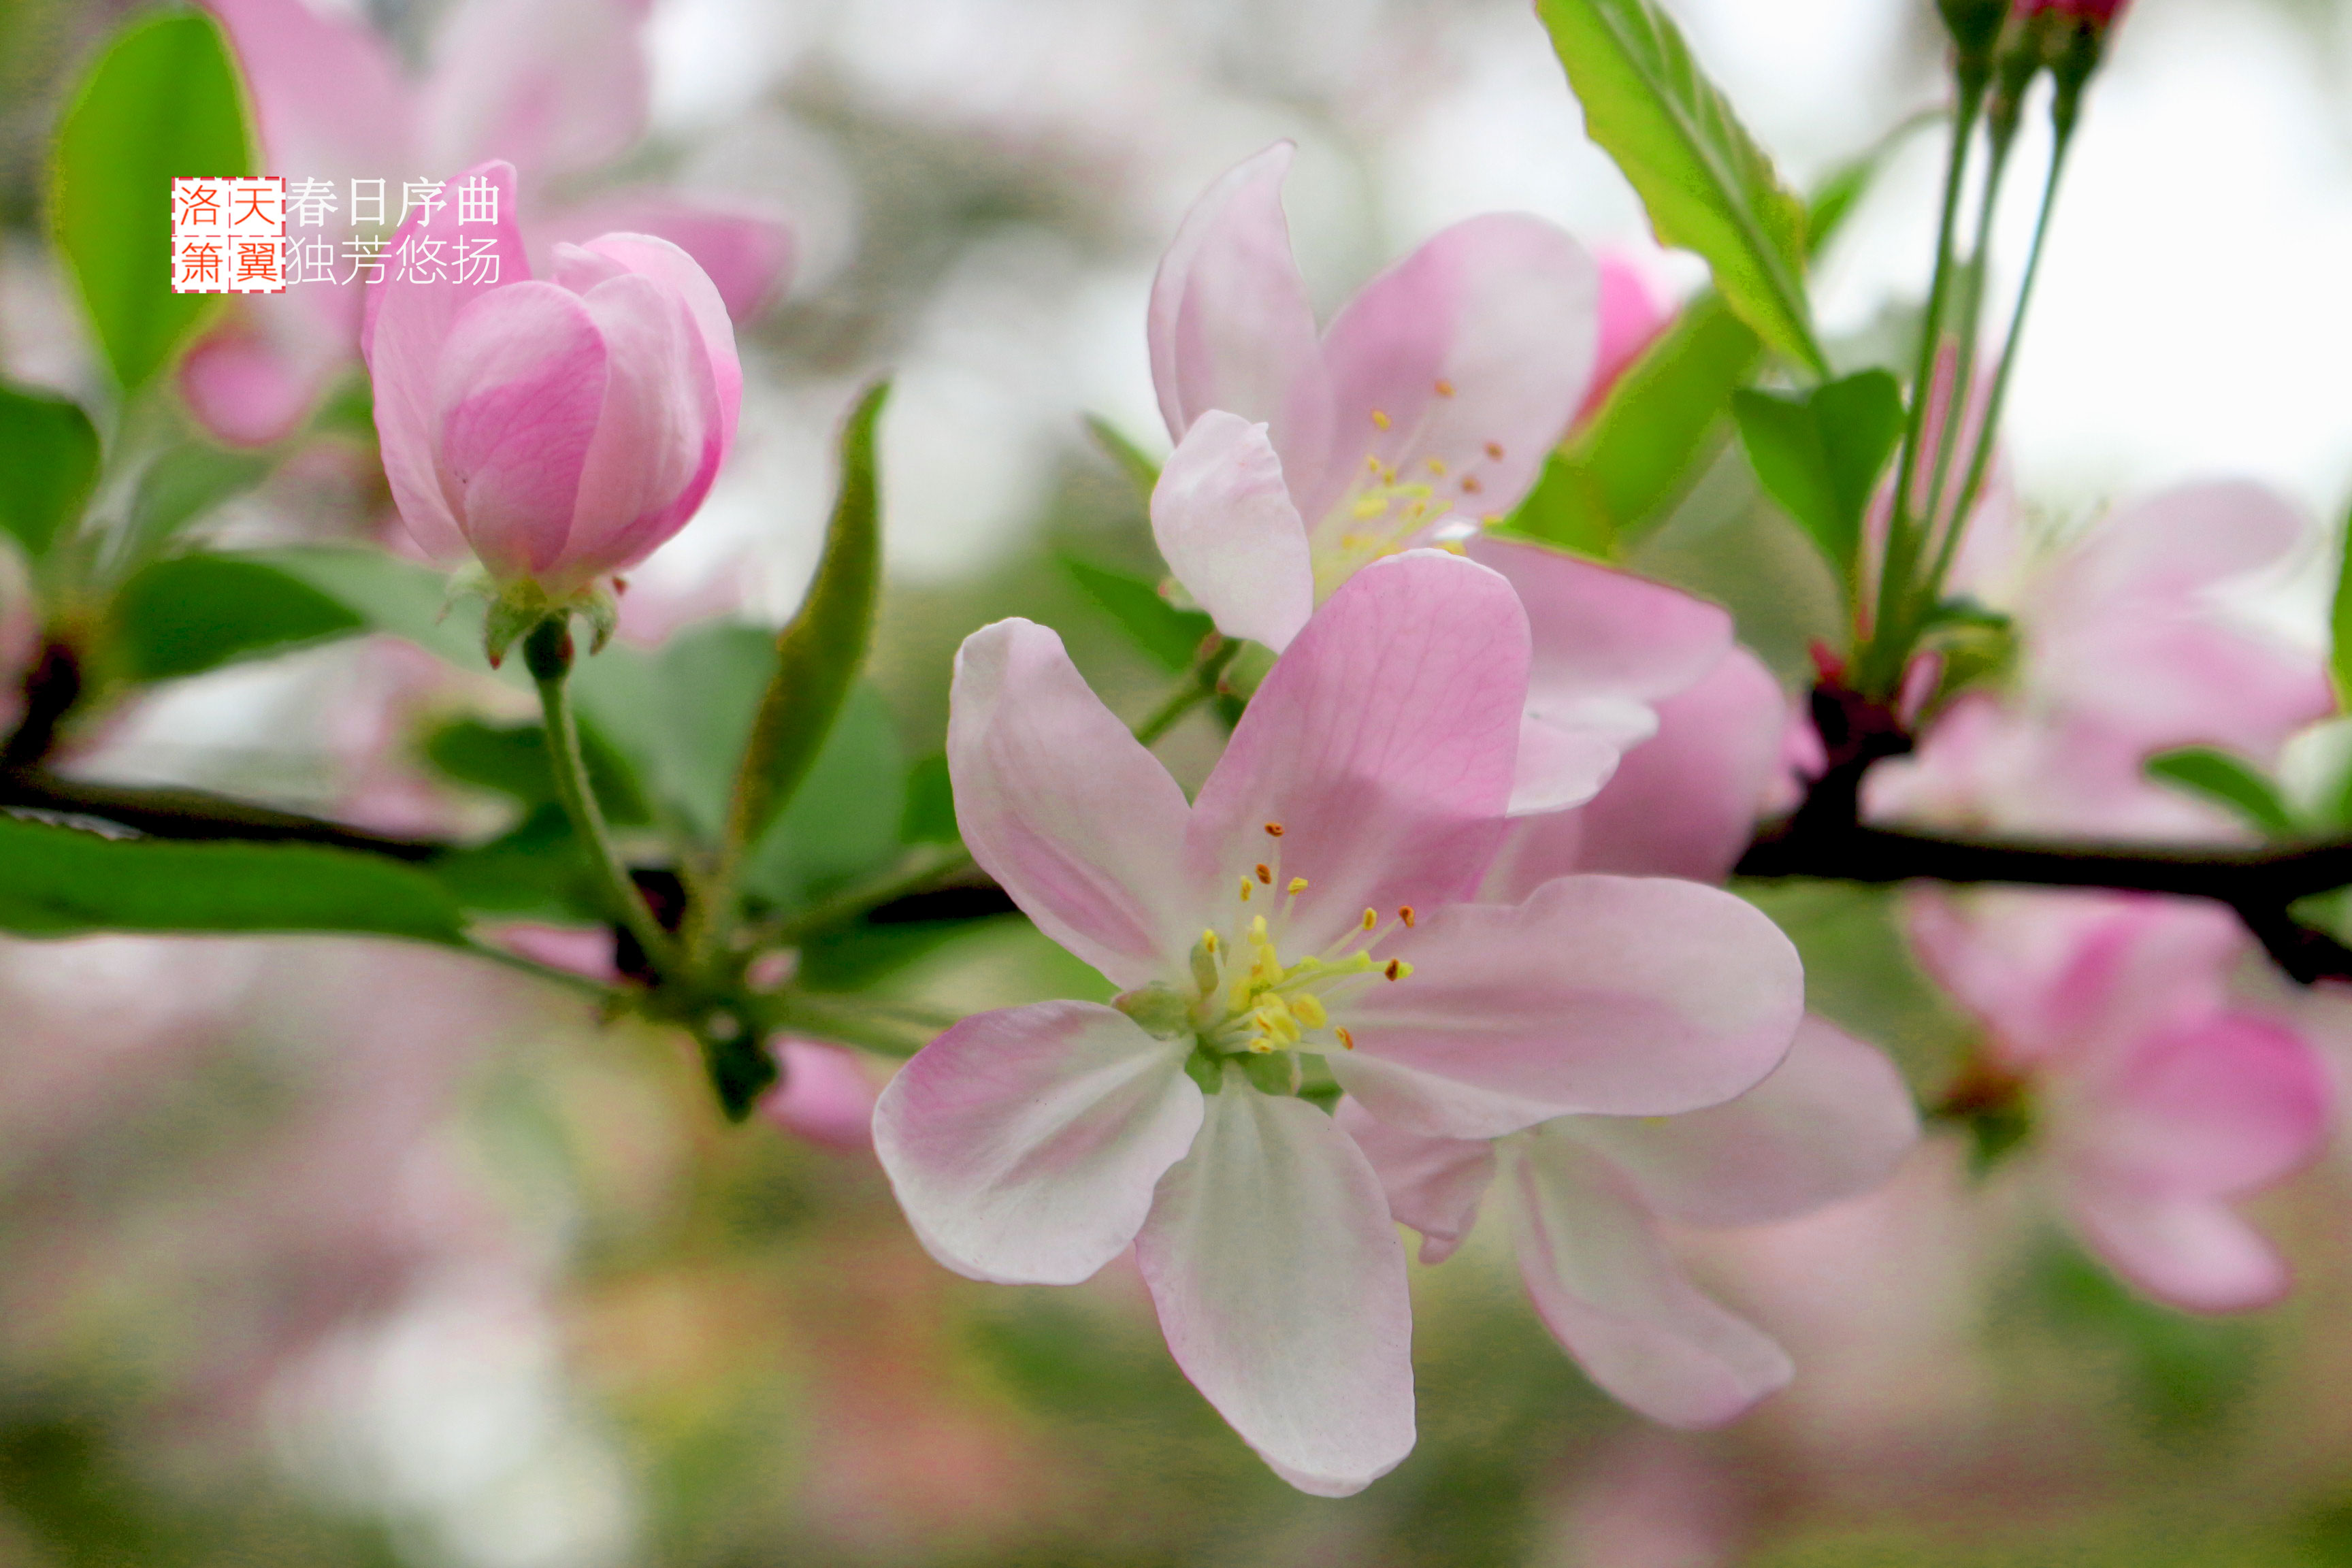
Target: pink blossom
(1429,404)
(1313,901)
(827,1096)
(555,87)
(2154,1099)
(1587,1196)
(561,429)
(1634,312)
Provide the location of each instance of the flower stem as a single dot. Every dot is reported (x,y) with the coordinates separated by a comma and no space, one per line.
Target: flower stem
(1200,685)
(548,654)
(1882,655)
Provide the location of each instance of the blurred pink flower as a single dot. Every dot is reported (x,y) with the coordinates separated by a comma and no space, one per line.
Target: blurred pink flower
(557,87)
(827,1096)
(1634,312)
(563,430)
(1369,775)
(1443,383)
(2154,1099)
(1587,1194)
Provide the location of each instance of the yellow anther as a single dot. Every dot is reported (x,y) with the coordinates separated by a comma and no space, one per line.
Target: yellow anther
(1495,451)
(1414,512)
(1436,466)
(1444,388)
(1257,931)
(1274,830)
(1372,461)
(1264,873)
(1261,1047)
(1404,913)
(1470,485)
(1370,507)
(1209,939)
(1347,1041)
(1388,475)
(1308,1010)
(1372,919)
(1452,547)
(1398,969)
(1298,886)
(1245,889)
(1379,419)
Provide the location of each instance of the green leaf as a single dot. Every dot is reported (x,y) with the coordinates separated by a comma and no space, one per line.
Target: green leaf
(1624,470)
(162,101)
(1171,636)
(395,597)
(1707,185)
(61,882)
(2339,626)
(534,872)
(187,614)
(49,463)
(2227,782)
(931,815)
(512,759)
(819,653)
(183,485)
(844,822)
(1140,471)
(1819,454)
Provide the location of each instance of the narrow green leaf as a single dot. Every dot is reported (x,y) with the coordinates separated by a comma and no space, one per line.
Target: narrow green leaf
(844,822)
(931,815)
(162,101)
(187,614)
(61,882)
(184,484)
(1623,472)
(1819,454)
(49,463)
(819,653)
(395,597)
(2227,782)
(1139,470)
(1707,185)
(1171,636)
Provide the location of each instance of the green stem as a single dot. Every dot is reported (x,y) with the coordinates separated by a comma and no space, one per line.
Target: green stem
(931,871)
(1981,461)
(1895,561)
(1200,685)
(548,654)
(595,990)
(1954,435)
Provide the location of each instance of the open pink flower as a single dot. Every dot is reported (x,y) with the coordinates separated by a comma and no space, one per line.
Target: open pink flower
(561,429)
(2154,1099)
(1431,401)
(1314,902)
(1587,1197)
(558,88)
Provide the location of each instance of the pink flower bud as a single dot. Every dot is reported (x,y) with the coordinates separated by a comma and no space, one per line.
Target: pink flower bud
(2100,14)
(561,429)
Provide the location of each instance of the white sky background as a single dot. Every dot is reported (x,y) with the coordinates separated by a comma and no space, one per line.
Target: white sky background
(2192,321)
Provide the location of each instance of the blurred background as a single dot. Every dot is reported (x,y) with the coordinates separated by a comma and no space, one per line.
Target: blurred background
(335,1253)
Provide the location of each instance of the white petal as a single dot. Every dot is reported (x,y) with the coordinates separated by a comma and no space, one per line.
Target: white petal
(1228,531)
(1281,1287)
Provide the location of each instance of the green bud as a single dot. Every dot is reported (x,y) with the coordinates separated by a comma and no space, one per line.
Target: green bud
(1156,1010)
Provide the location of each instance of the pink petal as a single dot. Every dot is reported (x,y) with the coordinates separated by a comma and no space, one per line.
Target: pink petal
(555,87)
(825,1096)
(326,93)
(247,390)
(1608,646)
(659,438)
(1620,995)
(1633,311)
(2225,1105)
(401,338)
(1832,1122)
(522,384)
(746,249)
(1433,1184)
(583,950)
(1480,342)
(1683,804)
(678,273)
(1024,1144)
(1561,766)
(1230,325)
(1227,529)
(1058,803)
(2191,1252)
(1605,1285)
(1382,743)
(1281,1287)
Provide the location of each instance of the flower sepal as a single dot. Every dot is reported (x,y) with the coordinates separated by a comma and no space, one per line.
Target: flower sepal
(517,606)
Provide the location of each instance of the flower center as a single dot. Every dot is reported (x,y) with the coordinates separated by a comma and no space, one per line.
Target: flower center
(1403,494)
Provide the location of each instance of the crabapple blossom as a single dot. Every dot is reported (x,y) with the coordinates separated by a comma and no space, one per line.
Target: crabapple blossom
(557,87)
(561,429)
(1586,1197)
(1430,402)
(2154,1099)
(1313,908)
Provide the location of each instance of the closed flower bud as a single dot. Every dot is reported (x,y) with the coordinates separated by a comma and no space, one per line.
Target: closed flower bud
(560,428)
